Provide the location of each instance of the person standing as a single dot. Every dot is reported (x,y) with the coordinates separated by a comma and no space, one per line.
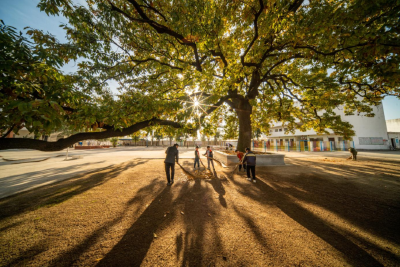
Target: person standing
(250,160)
(196,158)
(209,155)
(172,156)
(353,152)
(240,157)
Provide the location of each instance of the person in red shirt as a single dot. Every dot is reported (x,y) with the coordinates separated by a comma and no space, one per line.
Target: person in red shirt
(240,157)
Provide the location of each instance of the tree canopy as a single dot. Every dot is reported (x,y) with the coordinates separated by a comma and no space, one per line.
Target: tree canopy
(292,61)
(36,95)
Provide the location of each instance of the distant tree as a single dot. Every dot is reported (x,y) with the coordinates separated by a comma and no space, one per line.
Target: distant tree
(217,135)
(257,133)
(158,135)
(114,141)
(136,136)
(170,132)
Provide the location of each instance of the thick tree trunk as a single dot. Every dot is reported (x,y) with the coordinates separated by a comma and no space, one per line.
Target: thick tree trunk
(243,112)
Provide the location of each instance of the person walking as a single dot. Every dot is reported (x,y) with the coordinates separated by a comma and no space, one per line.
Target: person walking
(172,156)
(240,157)
(209,155)
(250,160)
(196,158)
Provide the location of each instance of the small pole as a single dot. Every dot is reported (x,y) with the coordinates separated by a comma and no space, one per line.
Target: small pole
(66,157)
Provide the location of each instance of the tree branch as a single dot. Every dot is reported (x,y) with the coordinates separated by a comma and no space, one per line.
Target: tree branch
(12,143)
(329,53)
(255,23)
(219,54)
(296,4)
(154,9)
(279,63)
(161,29)
(8,132)
(224,99)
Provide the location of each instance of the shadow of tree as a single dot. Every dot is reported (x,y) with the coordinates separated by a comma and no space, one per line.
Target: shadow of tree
(24,258)
(193,206)
(71,256)
(132,248)
(201,233)
(352,253)
(219,188)
(59,192)
(17,183)
(364,202)
(190,202)
(370,203)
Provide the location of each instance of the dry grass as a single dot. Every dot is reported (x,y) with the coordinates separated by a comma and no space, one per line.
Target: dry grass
(317,211)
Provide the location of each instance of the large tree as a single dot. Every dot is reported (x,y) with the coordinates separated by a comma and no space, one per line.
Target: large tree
(291,60)
(36,95)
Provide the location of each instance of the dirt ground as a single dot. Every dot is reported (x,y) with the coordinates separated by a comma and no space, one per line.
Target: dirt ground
(311,212)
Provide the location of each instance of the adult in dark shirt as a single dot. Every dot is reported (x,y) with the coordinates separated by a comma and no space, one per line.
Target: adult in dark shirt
(353,152)
(250,160)
(172,156)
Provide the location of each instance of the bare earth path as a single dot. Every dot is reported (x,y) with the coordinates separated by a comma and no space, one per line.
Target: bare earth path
(312,212)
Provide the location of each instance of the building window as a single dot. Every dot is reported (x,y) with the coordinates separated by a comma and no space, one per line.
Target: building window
(276,130)
(280,129)
(285,129)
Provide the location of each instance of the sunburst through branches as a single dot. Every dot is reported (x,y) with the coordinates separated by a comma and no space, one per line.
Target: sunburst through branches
(197,105)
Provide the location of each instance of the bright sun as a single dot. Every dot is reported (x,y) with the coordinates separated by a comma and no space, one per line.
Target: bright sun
(196,103)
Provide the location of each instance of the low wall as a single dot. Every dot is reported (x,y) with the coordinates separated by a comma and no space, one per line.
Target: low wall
(90,147)
(262,159)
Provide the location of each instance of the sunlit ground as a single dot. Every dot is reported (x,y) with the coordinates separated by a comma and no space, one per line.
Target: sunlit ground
(312,212)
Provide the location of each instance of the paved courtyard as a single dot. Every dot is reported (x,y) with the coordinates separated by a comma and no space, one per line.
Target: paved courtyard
(24,169)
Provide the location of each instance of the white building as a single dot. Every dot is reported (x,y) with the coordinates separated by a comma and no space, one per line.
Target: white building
(370,132)
(393,129)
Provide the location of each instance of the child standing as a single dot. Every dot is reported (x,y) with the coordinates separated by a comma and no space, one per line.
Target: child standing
(209,155)
(240,157)
(196,158)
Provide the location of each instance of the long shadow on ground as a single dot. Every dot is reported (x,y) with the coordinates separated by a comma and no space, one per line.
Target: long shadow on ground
(190,202)
(71,256)
(59,192)
(195,203)
(352,253)
(330,187)
(132,248)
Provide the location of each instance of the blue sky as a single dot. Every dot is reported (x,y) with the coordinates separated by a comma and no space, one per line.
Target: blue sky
(23,13)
